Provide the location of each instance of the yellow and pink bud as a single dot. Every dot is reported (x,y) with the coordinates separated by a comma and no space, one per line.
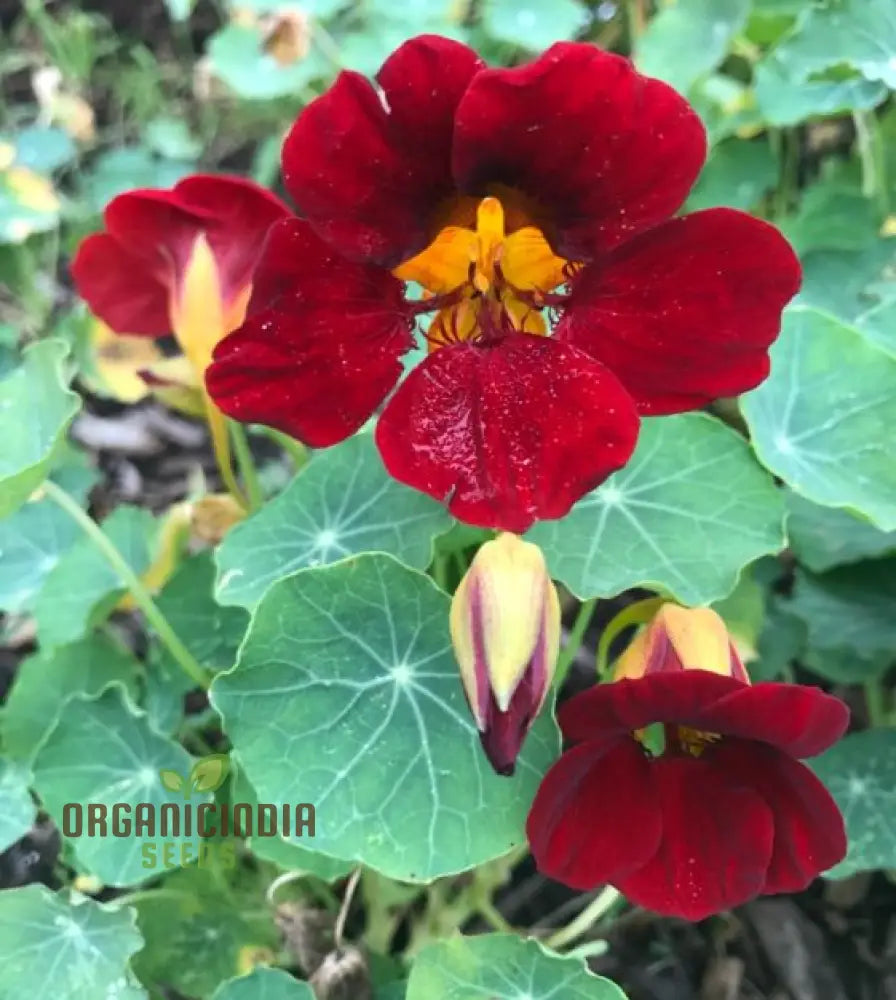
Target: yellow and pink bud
(505,627)
(680,638)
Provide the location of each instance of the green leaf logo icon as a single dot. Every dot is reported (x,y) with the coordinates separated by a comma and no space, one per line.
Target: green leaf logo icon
(206,775)
(209,773)
(171,780)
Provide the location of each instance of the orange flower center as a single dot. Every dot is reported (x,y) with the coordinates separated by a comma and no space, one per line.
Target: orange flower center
(494,281)
(661,738)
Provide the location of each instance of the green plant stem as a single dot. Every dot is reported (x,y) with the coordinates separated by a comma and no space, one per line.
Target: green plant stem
(635,614)
(351,886)
(875,703)
(295,449)
(440,572)
(142,598)
(493,917)
(246,463)
(637,19)
(786,143)
(597,908)
(873,159)
(576,634)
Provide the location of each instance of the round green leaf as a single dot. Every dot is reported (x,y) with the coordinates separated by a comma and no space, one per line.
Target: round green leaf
(125,168)
(737,174)
(36,408)
(17,809)
(782,640)
(689,38)
(343,503)
(860,33)
(849,281)
(283,853)
(264,984)
(41,148)
(346,695)
(104,752)
(822,420)
(238,57)
(171,138)
(198,931)
(82,588)
(687,513)
(502,967)
(824,537)
(210,632)
(533,24)
(73,949)
(786,99)
(31,543)
(850,607)
(860,772)
(845,666)
(48,680)
(832,215)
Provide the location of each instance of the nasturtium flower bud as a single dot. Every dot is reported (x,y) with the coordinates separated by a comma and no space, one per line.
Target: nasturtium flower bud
(505,627)
(681,639)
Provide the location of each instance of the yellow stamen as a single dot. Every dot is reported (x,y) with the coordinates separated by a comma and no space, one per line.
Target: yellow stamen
(486,268)
(694,741)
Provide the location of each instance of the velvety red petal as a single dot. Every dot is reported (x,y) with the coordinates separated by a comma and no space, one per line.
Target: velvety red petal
(504,732)
(318,364)
(716,843)
(627,705)
(595,818)
(370,169)
(127,273)
(799,720)
(802,721)
(151,224)
(238,214)
(507,434)
(810,836)
(604,151)
(127,292)
(685,313)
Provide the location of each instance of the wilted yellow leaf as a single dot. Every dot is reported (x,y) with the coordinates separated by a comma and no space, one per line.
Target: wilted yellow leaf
(118,361)
(213,516)
(31,190)
(287,36)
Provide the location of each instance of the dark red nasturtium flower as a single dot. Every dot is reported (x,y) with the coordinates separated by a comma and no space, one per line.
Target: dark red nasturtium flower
(179,262)
(161,248)
(533,205)
(723,812)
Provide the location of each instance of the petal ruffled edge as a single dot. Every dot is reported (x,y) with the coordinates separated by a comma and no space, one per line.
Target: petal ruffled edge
(488,430)
(798,720)
(128,274)
(685,313)
(319,361)
(574,835)
(127,292)
(368,167)
(604,151)
(810,836)
(716,843)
